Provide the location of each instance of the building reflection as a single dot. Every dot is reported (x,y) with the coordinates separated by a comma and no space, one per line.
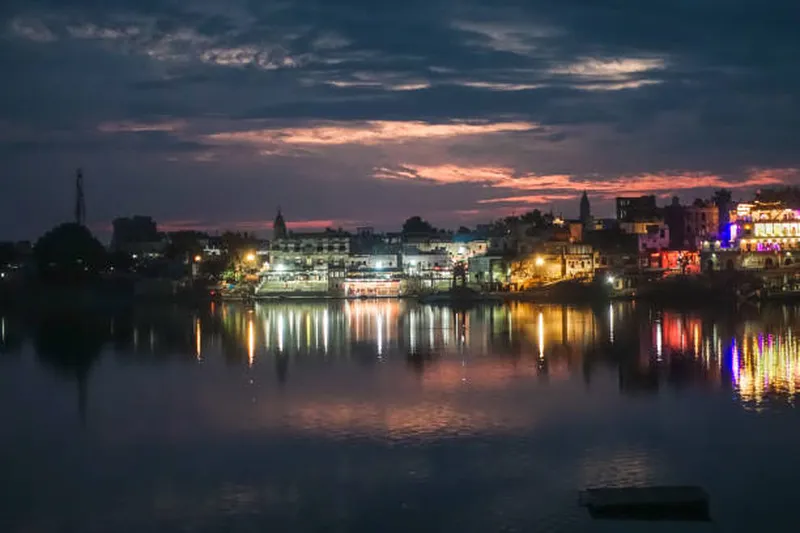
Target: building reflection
(491,345)
(754,353)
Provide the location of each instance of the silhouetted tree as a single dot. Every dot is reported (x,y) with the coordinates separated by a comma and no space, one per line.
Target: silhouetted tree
(533,217)
(722,196)
(416,224)
(463,230)
(69,253)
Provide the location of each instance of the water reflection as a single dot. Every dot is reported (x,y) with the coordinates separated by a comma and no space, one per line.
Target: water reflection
(756,354)
(189,409)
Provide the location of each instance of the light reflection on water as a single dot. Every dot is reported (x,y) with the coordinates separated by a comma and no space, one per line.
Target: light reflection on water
(368,413)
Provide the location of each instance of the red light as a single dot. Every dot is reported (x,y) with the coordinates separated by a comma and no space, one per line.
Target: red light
(212,293)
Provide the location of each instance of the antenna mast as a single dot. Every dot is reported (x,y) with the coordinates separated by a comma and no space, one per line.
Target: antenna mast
(80,203)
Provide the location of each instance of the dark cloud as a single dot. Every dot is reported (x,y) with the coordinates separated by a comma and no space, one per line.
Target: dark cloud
(610,91)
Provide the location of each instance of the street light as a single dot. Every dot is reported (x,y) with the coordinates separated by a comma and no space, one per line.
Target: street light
(197,259)
(539,261)
(250,257)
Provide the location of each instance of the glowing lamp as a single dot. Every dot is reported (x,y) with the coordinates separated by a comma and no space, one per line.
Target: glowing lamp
(539,261)
(197,259)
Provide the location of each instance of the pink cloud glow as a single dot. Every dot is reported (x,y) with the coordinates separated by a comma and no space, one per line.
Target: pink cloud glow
(250,225)
(559,185)
(529,199)
(260,225)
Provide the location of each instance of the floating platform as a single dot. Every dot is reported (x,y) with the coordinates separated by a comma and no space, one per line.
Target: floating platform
(686,503)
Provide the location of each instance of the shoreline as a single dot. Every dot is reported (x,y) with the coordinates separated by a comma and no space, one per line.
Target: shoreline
(683,292)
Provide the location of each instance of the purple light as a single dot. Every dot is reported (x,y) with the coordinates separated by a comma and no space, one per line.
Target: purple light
(733,229)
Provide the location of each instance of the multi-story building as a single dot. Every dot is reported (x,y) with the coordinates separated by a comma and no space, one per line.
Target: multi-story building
(554,261)
(762,236)
(701,223)
(488,272)
(373,261)
(307,250)
(642,208)
(429,271)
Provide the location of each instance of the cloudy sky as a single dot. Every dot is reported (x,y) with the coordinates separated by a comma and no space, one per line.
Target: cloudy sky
(210,113)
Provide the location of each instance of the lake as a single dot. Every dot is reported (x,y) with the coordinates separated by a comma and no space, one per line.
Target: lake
(392,416)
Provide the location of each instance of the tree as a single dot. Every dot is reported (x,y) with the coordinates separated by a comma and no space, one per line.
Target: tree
(722,197)
(463,230)
(417,225)
(533,217)
(69,253)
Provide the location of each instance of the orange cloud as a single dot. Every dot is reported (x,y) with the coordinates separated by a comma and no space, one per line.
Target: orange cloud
(183,225)
(372,132)
(529,199)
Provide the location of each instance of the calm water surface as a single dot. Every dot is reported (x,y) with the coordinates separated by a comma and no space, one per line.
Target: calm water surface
(390,416)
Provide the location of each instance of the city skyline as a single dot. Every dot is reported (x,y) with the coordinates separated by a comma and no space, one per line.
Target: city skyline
(209,115)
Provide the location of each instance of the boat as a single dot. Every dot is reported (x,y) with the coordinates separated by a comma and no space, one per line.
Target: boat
(685,503)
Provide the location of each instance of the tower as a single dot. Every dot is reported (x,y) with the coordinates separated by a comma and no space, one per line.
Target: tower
(80,203)
(279,227)
(586,209)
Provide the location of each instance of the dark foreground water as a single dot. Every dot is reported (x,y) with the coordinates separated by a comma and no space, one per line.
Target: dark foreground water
(389,416)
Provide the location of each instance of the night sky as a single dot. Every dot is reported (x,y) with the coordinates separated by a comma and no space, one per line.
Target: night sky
(209,113)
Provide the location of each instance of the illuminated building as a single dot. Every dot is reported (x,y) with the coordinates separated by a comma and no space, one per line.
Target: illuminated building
(554,261)
(282,281)
(456,247)
(656,238)
(428,271)
(762,235)
(374,283)
(488,271)
(677,261)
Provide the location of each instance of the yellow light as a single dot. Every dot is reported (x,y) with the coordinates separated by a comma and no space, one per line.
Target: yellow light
(250,257)
(251,342)
(198,339)
(540,331)
(539,261)
(197,259)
